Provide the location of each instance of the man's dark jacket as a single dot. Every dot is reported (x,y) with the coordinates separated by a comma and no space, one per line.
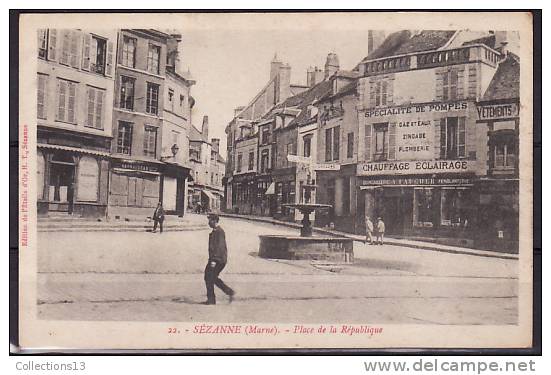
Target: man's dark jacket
(217,246)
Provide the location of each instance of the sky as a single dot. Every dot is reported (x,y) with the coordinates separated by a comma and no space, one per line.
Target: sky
(232,66)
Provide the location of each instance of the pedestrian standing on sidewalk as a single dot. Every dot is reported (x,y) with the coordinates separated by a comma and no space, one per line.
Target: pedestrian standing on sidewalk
(218,257)
(368,230)
(380,231)
(158,217)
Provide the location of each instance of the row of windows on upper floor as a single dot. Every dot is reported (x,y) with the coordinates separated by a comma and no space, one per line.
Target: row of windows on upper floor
(67,94)
(91,52)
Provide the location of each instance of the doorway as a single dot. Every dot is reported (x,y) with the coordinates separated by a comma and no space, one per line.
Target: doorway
(62,182)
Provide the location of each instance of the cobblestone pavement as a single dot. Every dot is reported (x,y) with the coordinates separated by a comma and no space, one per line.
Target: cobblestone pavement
(158,277)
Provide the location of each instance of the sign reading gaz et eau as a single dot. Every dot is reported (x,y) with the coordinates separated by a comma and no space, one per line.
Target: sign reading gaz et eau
(415,167)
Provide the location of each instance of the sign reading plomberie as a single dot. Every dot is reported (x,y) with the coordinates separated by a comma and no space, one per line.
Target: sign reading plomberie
(415,167)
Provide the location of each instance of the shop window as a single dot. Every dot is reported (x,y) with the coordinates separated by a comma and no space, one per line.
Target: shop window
(153,58)
(452,138)
(452,210)
(129,51)
(152,103)
(94,118)
(423,207)
(124,138)
(66,101)
(41,96)
(150,141)
(307,145)
(350,145)
(88,179)
(251,161)
(449,85)
(381,142)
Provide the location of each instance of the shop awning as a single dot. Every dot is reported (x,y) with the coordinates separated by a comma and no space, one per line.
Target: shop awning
(208,194)
(270,189)
(73,149)
(134,171)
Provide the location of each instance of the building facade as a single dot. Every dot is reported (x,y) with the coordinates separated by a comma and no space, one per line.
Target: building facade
(178,104)
(422,151)
(75,89)
(136,167)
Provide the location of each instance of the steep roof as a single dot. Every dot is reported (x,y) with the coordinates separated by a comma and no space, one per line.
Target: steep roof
(403,42)
(506,81)
(308,98)
(195,135)
(489,40)
(221,159)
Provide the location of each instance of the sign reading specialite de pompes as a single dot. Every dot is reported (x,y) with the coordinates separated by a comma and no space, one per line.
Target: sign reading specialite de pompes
(415,167)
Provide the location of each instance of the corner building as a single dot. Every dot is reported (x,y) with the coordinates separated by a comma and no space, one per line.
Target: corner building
(75,70)
(421,150)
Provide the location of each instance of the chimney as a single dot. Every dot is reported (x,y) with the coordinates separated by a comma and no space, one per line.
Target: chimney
(172,57)
(502,42)
(205,128)
(374,39)
(275,65)
(314,76)
(331,65)
(284,82)
(215,144)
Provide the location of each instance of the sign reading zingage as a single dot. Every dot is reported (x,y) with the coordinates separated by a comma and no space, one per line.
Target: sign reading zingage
(415,167)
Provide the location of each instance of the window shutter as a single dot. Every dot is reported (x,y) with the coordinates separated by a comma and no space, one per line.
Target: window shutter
(41,97)
(52,44)
(384,93)
(461,137)
(367,146)
(61,99)
(90,111)
(392,141)
(71,103)
(443,138)
(65,47)
(99,109)
(336,142)
(439,86)
(109,60)
(372,93)
(86,41)
(74,48)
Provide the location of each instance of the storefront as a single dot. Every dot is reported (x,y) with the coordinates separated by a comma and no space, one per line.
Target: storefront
(284,193)
(244,193)
(71,180)
(135,188)
(423,206)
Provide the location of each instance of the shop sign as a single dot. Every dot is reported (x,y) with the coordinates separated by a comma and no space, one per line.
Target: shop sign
(299,159)
(409,181)
(414,140)
(327,167)
(136,166)
(497,111)
(415,167)
(417,108)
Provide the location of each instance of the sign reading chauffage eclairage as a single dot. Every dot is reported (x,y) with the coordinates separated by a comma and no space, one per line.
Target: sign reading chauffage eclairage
(415,167)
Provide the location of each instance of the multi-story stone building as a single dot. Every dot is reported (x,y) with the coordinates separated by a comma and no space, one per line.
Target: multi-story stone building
(206,192)
(242,128)
(178,104)
(422,151)
(74,116)
(135,186)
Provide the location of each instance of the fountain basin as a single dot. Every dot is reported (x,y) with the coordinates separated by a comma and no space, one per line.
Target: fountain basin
(334,249)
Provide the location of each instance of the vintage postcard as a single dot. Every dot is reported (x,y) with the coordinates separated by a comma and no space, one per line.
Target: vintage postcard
(275,180)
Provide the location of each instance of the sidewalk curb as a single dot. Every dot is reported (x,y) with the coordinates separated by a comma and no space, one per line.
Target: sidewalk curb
(389,241)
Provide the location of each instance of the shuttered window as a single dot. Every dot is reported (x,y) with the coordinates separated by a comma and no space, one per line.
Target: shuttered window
(96,98)
(66,102)
(452,138)
(150,141)
(41,96)
(392,141)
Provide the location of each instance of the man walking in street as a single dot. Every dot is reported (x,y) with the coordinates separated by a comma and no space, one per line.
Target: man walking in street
(158,217)
(368,230)
(380,231)
(218,257)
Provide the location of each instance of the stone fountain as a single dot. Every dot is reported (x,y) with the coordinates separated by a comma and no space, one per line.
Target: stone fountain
(307,246)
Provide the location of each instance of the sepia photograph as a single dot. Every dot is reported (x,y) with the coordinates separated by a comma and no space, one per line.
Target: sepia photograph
(276,180)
